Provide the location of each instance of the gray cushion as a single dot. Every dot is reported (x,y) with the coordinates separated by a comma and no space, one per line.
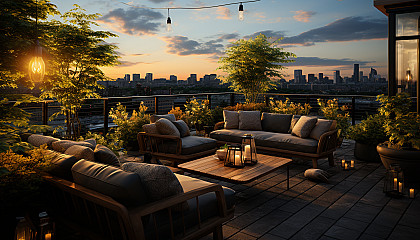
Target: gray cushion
(268,139)
(304,126)
(166,127)
(38,140)
(124,187)
(182,127)
(190,145)
(250,120)
(105,155)
(322,126)
(293,122)
(150,128)
(316,174)
(159,182)
(170,117)
(61,165)
(62,146)
(231,119)
(274,122)
(81,152)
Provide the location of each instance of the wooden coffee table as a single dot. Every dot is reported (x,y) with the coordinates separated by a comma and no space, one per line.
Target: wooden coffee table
(212,167)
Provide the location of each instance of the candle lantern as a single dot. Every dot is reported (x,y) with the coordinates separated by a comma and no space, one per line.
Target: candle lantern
(249,149)
(234,157)
(23,230)
(394,181)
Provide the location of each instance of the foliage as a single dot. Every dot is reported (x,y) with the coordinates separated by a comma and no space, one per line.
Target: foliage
(330,110)
(125,135)
(20,178)
(77,53)
(224,146)
(262,107)
(288,107)
(401,125)
(179,114)
(370,131)
(217,114)
(108,141)
(253,65)
(198,113)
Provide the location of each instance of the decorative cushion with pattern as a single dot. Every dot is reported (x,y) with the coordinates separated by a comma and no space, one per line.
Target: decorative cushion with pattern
(274,122)
(166,127)
(304,126)
(231,119)
(158,181)
(81,152)
(250,120)
(293,122)
(170,117)
(38,140)
(322,126)
(105,155)
(182,127)
(150,128)
(63,145)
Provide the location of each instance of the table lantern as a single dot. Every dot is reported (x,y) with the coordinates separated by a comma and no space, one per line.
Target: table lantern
(394,181)
(249,149)
(234,157)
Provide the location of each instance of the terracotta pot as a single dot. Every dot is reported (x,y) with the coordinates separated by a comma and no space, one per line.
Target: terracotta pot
(409,161)
(366,152)
(221,154)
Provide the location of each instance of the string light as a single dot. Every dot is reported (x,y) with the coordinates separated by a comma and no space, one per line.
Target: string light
(241,12)
(37,65)
(168,23)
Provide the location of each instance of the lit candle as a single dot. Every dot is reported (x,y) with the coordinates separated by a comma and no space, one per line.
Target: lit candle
(238,160)
(395,183)
(400,187)
(247,152)
(345,166)
(343,162)
(48,236)
(411,192)
(352,164)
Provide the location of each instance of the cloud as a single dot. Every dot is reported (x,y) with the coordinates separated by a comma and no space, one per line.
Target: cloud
(303,16)
(223,13)
(129,64)
(134,21)
(229,36)
(139,54)
(322,62)
(159,1)
(274,35)
(183,46)
(345,29)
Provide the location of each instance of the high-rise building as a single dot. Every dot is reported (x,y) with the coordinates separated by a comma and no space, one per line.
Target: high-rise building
(320,77)
(360,76)
(298,76)
(337,77)
(192,79)
(149,77)
(173,79)
(127,77)
(311,78)
(372,75)
(356,73)
(136,77)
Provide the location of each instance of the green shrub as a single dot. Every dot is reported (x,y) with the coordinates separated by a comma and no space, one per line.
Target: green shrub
(330,110)
(370,131)
(288,107)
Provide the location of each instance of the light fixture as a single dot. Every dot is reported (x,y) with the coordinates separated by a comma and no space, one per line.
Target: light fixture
(37,65)
(168,23)
(241,12)
(234,157)
(249,149)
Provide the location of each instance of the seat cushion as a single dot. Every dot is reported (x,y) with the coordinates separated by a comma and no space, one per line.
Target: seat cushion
(170,117)
(190,145)
(38,140)
(105,155)
(322,126)
(124,187)
(166,127)
(81,152)
(304,126)
(250,120)
(268,139)
(274,122)
(150,128)
(61,165)
(231,119)
(63,145)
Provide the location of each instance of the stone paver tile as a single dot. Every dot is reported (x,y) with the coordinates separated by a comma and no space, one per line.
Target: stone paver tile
(352,224)
(266,223)
(314,229)
(294,205)
(241,236)
(378,230)
(271,237)
(342,233)
(369,237)
(410,220)
(404,232)
(386,218)
(326,238)
(360,215)
(228,231)
(398,205)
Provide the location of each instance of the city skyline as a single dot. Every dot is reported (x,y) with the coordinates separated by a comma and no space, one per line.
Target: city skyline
(326,35)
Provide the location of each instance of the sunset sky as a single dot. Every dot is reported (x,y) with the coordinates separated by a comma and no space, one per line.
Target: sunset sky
(326,35)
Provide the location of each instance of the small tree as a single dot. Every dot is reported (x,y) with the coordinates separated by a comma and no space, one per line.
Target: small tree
(77,52)
(253,66)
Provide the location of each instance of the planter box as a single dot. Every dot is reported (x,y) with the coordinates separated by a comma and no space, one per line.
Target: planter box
(366,152)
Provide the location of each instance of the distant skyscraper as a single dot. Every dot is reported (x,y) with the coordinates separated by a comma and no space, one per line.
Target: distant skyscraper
(127,77)
(149,77)
(337,77)
(321,77)
(192,79)
(173,78)
(356,73)
(298,76)
(311,78)
(136,77)
(360,76)
(372,74)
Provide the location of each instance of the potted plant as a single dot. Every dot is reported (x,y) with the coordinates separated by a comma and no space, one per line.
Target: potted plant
(199,114)
(221,152)
(330,110)
(403,129)
(367,134)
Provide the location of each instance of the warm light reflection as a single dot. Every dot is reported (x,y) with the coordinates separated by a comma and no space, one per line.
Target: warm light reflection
(36,69)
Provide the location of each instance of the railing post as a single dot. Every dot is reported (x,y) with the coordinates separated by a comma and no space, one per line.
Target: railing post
(232,99)
(45,113)
(106,112)
(209,99)
(353,110)
(156,105)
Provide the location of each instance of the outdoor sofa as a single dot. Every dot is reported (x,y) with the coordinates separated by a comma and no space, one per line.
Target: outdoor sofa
(102,201)
(280,134)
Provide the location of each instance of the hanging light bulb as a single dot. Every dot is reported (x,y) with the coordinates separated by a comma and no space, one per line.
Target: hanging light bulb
(168,23)
(241,12)
(37,65)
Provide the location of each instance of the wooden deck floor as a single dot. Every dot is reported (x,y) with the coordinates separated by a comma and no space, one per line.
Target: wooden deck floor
(351,206)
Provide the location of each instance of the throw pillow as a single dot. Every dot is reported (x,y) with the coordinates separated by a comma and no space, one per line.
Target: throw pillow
(105,155)
(61,165)
(170,117)
(274,122)
(322,126)
(81,152)
(231,119)
(293,122)
(166,127)
(304,126)
(182,127)
(150,128)
(250,120)
(38,140)
(63,145)
(158,180)
(317,174)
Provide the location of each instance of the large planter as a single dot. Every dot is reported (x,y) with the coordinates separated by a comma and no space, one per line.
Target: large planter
(366,152)
(409,161)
